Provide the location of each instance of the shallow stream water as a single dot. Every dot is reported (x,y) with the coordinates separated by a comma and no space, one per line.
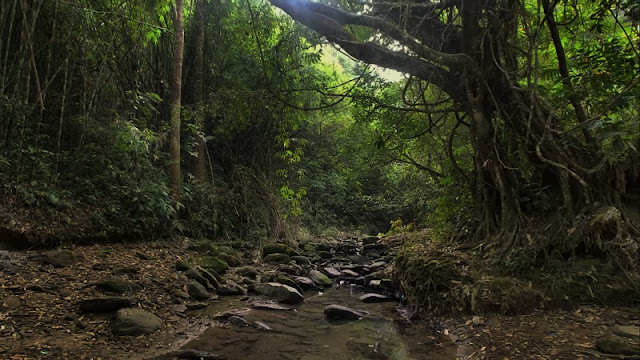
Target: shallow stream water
(303,333)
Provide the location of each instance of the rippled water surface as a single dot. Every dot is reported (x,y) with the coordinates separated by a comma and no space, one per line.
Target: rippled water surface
(305,334)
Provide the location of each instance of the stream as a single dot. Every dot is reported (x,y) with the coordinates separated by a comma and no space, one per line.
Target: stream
(303,333)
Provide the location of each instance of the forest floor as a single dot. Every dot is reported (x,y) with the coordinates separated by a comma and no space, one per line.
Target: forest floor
(40,317)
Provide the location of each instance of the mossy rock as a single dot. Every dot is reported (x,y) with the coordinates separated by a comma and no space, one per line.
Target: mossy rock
(182,265)
(324,255)
(275,249)
(277,258)
(230,259)
(288,281)
(213,263)
(60,258)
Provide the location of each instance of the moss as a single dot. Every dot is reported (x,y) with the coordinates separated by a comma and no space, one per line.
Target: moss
(213,263)
(288,281)
(275,249)
(277,258)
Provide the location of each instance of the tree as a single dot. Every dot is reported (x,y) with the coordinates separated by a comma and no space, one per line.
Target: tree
(174,102)
(487,57)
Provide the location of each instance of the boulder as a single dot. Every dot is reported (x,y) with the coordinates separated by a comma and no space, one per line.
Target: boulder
(288,281)
(196,275)
(275,249)
(305,283)
(197,291)
(331,272)
(280,292)
(104,304)
(301,260)
(617,345)
(132,321)
(60,258)
(182,265)
(213,263)
(343,312)
(291,269)
(231,260)
(374,298)
(319,278)
(119,286)
(378,265)
(324,255)
(277,258)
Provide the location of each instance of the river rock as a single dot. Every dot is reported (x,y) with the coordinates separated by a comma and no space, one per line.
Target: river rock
(378,265)
(331,272)
(275,249)
(132,321)
(280,292)
(231,260)
(319,278)
(269,306)
(343,312)
(197,291)
(291,269)
(367,240)
(213,277)
(631,332)
(261,326)
(196,275)
(374,298)
(301,260)
(237,321)
(119,286)
(182,265)
(324,254)
(213,263)
(305,283)
(277,258)
(230,287)
(617,345)
(104,304)
(288,281)
(349,274)
(248,271)
(60,258)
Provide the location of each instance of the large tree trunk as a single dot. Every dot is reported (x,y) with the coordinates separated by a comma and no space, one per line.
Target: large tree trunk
(174,102)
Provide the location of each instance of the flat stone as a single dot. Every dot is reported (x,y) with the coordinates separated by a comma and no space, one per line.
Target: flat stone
(119,286)
(60,258)
(269,306)
(331,272)
(374,298)
(261,326)
(132,321)
(230,287)
(283,293)
(237,321)
(104,304)
(343,312)
(349,273)
(378,265)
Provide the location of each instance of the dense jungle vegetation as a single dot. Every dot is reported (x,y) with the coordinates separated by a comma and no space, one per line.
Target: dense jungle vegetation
(509,127)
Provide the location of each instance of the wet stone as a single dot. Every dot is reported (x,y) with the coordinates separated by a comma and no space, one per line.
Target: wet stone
(374,298)
(237,321)
(319,278)
(283,293)
(197,291)
(331,272)
(343,312)
(131,321)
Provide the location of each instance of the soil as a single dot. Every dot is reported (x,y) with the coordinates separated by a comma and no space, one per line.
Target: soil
(40,318)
